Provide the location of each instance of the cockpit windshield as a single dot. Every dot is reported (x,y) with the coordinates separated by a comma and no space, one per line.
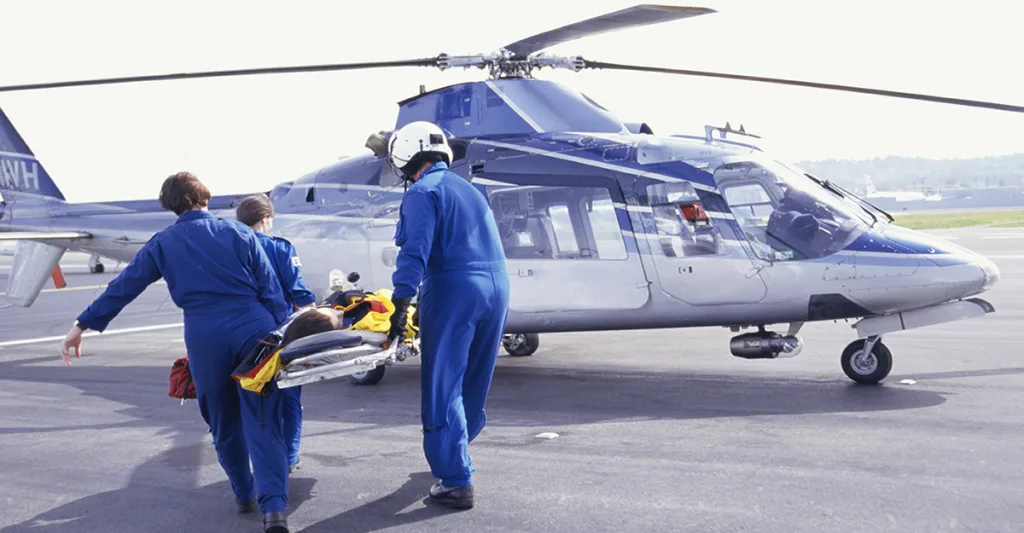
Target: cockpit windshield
(784,214)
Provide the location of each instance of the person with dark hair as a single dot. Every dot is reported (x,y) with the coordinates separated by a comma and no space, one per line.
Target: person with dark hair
(312,322)
(257,212)
(222,279)
(449,241)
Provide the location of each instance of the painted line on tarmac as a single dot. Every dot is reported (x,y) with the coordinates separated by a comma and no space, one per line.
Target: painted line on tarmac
(107,333)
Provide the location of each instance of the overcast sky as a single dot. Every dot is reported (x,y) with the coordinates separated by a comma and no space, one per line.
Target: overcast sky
(249,133)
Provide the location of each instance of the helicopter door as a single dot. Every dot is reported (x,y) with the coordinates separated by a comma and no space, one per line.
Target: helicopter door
(565,244)
(696,254)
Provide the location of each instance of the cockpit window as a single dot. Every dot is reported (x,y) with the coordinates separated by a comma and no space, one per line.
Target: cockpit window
(783,213)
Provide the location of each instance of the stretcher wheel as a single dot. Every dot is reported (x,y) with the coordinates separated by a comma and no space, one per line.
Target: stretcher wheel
(370,377)
(521,344)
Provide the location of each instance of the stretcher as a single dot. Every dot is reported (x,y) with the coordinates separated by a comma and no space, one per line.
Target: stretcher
(344,352)
(339,353)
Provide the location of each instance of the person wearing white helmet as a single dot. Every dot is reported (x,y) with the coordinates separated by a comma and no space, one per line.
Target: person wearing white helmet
(449,241)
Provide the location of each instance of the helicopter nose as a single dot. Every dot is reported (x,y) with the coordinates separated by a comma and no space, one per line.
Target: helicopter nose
(990,271)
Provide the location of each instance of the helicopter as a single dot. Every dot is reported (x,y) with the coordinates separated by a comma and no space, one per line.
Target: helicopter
(605,225)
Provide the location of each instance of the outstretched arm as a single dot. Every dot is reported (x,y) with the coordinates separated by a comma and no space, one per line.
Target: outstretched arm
(140,273)
(414,236)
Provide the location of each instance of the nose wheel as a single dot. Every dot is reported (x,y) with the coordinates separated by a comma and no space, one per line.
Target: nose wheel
(867,361)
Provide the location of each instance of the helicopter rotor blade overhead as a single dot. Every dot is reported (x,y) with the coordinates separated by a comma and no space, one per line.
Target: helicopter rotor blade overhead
(631,17)
(829,86)
(423,62)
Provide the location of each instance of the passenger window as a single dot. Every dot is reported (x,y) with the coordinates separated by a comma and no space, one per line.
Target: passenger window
(565,238)
(684,227)
(554,222)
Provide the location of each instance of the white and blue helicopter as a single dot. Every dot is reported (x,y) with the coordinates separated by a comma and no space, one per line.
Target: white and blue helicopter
(606,226)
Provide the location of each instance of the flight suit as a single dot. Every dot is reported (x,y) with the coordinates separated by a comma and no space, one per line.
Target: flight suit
(219,275)
(448,239)
(286,263)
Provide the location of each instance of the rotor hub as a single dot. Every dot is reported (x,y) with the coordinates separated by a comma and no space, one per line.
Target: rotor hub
(505,64)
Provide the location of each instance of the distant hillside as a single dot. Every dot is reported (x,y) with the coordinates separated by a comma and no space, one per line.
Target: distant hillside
(913,173)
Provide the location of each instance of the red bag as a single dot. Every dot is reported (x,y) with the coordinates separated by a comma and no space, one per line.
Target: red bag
(181,385)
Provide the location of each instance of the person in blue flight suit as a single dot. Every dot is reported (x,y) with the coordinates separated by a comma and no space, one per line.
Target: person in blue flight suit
(448,239)
(257,212)
(219,275)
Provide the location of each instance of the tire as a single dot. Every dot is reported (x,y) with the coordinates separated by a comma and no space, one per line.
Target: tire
(521,344)
(866,371)
(370,377)
(98,269)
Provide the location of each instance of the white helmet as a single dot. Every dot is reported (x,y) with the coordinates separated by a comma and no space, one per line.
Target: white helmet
(413,142)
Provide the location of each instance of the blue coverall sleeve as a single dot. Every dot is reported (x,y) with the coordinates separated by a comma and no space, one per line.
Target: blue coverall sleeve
(294,285)
(140,273)
(268,288)
(414,236)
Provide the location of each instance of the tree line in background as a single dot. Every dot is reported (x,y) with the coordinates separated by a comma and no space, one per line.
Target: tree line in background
(921,174)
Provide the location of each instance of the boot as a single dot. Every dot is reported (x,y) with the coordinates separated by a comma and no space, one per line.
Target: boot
(246,507)
(275,523)
(454,497)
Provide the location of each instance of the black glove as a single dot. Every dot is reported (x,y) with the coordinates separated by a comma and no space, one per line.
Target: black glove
(398,318)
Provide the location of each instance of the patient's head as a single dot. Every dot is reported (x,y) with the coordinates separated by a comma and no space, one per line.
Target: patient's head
(312,322)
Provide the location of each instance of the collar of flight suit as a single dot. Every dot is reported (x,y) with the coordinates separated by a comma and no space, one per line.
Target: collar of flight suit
(192,215)
(436,167)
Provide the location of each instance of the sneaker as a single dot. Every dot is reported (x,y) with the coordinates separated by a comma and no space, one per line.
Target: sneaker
(454,497)
(246,507)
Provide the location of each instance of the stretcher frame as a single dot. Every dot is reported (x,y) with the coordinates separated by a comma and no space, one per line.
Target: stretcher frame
(333,363)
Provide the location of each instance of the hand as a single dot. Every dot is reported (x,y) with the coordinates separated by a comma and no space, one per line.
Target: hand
(398,318)
(72,340)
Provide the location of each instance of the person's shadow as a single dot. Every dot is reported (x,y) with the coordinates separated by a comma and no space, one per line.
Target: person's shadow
(161,496)
(383,513)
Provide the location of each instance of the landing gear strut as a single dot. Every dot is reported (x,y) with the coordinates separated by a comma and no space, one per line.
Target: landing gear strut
(95,266)
(867,361)
(521,344)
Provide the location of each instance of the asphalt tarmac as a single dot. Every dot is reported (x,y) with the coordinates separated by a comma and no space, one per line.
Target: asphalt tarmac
(657,431)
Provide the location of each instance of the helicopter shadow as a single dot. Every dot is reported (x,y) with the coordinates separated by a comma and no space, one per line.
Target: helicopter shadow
(523,396)
(164,494)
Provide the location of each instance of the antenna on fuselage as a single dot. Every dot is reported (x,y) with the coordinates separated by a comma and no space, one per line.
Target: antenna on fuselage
(724,130)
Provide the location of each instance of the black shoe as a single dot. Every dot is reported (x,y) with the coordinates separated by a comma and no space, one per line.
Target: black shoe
(246,507)
(454,497)
(275,523)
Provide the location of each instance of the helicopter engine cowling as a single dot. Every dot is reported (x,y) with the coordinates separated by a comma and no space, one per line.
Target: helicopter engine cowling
(765,345)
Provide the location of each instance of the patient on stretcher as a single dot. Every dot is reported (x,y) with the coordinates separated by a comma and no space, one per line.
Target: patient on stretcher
(320,329)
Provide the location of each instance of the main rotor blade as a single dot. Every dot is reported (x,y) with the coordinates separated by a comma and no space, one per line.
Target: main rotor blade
(424,62)
(639,15)
(816,85)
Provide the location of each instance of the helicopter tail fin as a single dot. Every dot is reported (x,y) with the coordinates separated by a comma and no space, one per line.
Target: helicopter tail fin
(20,172)
(869,186)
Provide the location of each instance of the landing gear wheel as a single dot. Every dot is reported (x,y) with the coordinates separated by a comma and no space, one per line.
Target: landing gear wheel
(370,377)
(521,344)
(866,368)
(98,269)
